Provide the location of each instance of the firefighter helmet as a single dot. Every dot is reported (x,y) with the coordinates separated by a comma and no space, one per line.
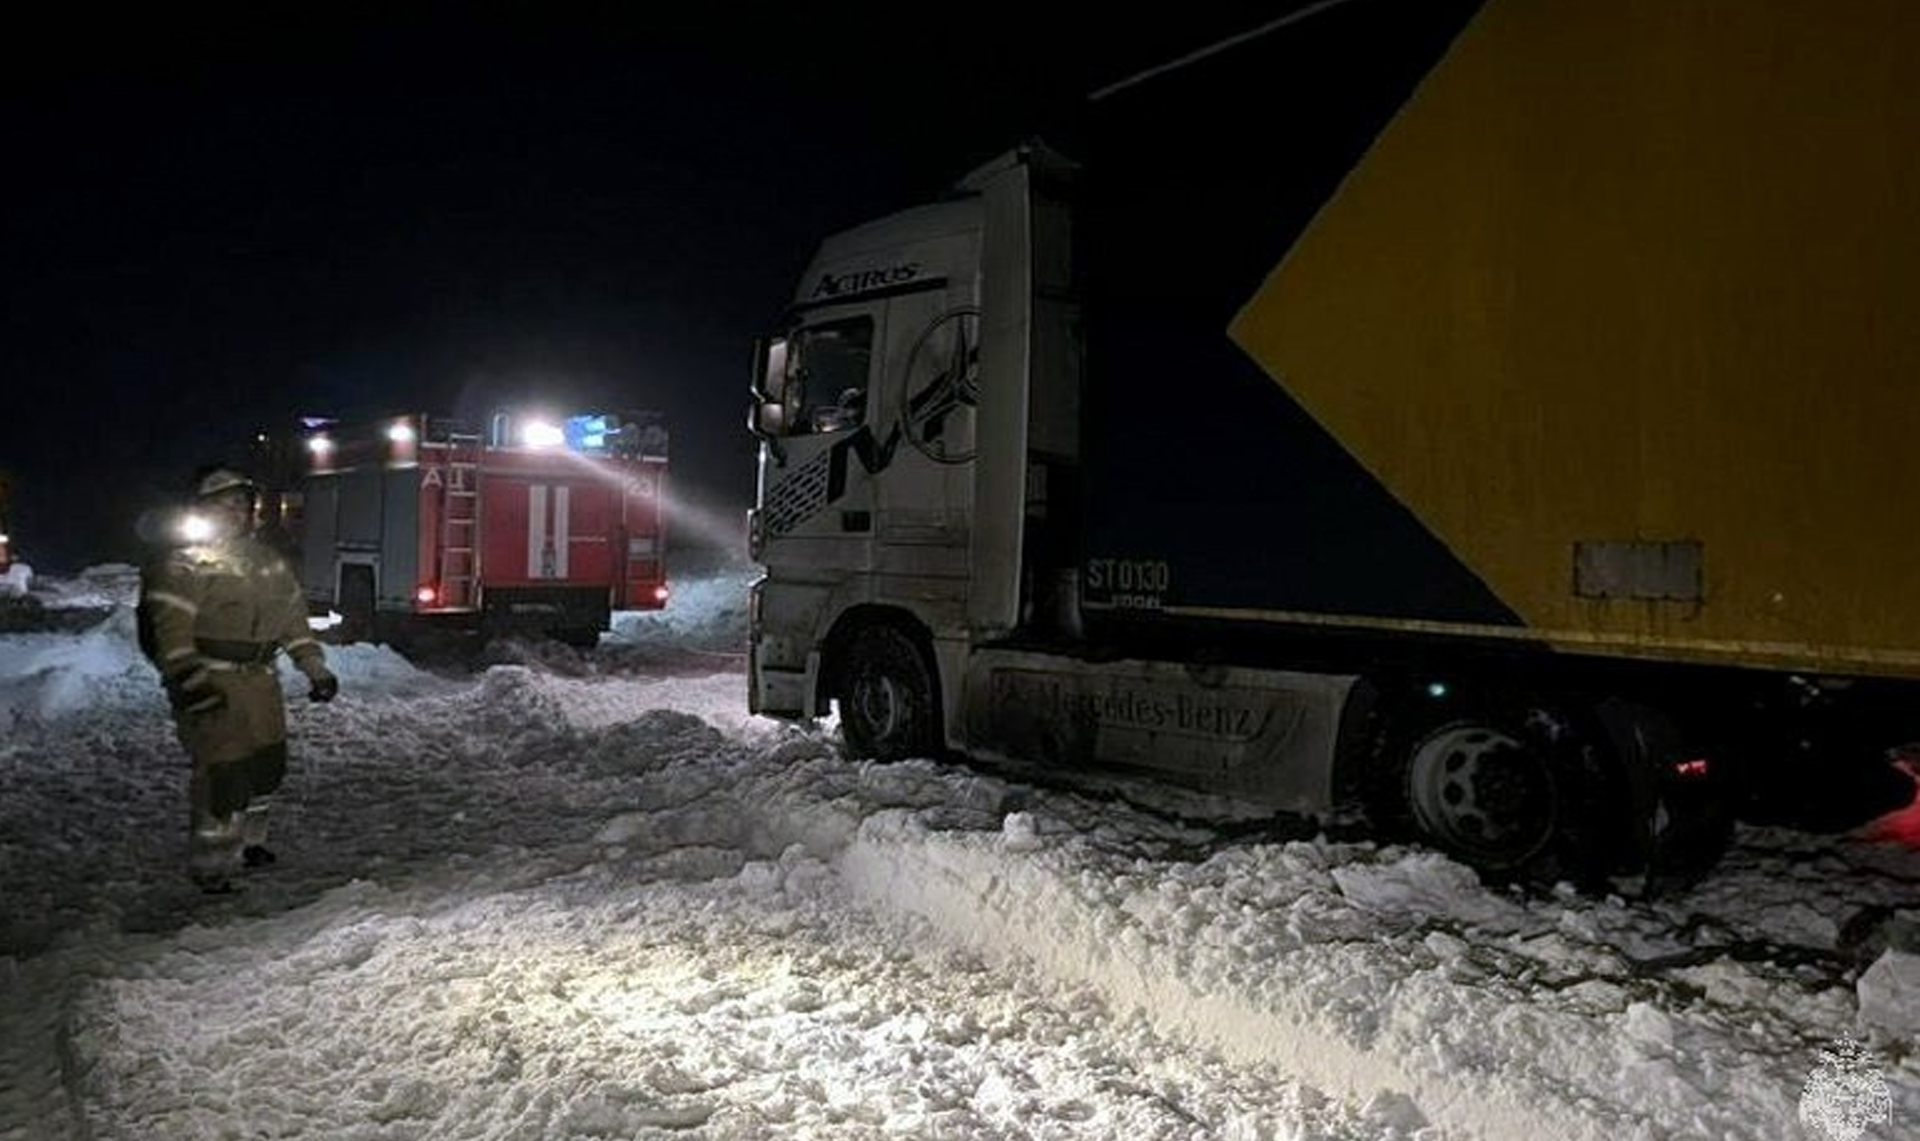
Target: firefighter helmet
(213,481)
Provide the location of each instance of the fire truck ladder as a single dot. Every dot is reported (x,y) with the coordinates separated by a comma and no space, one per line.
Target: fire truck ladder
(460,524)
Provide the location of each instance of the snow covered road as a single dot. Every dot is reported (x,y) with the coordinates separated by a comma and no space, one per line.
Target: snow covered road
(590,897)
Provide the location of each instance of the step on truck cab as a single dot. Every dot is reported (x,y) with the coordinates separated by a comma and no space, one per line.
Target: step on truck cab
(1498,438)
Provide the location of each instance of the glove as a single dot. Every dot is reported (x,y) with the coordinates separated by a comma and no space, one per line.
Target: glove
(195,693)
(325,687)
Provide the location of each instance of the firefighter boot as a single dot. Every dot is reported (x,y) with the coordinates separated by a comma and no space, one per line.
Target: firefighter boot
(213,840)
(213,853)
(254,852)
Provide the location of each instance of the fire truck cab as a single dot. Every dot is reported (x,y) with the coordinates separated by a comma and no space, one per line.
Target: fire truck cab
(528,526)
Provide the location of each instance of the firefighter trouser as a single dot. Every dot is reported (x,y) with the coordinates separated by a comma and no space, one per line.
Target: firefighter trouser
(239,756)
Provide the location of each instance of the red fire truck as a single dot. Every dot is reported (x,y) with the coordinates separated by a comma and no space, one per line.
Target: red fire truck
(528,526)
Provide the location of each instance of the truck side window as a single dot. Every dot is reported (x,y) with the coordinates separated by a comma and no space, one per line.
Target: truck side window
(829,363)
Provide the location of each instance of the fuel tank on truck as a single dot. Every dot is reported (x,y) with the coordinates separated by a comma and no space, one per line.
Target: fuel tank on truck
(1587,323)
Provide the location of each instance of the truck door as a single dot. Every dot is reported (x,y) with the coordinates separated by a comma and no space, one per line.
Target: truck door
(819,482)
(593,515)
(516,541)
(642,576)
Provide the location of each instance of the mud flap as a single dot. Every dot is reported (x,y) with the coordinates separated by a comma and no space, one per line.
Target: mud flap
(1681,805)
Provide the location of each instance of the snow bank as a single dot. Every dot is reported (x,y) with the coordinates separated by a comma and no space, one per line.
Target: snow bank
(98,587)
(705,617)
(372,671)
(49,676)
(16,581)
(1386,973)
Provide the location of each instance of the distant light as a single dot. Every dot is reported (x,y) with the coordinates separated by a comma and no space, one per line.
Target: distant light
(1696,767)
(425,595)
(1437,690)
(539,434)
(320,445)
(401,433)
(196,528)
(261,438)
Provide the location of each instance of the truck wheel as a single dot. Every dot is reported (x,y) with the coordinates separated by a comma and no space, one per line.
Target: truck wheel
(1522,796)
(578,637)
(888,706)
(356,604)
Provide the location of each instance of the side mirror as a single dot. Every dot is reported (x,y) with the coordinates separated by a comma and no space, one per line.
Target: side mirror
(770,369)
(767,419)
(768,423)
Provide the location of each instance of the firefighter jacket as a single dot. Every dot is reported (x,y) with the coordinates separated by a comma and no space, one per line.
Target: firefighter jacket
(213,618)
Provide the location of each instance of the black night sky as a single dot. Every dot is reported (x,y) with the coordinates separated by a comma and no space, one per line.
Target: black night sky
(214,224)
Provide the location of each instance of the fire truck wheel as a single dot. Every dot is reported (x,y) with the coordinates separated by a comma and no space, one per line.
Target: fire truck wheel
(356,604)
(578,637)
(889,709)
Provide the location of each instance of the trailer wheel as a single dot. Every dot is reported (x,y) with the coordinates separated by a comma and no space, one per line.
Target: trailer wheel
(1525,795)
(889,709)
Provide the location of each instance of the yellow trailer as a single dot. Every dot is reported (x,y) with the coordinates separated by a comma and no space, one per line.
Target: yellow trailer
(1624,305)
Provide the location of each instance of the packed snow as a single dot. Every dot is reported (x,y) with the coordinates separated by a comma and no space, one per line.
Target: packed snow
(552,894)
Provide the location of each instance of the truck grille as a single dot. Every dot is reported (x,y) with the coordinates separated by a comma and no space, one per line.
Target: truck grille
(800,495)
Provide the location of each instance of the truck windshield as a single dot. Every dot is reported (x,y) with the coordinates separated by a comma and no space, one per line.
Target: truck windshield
(827,365)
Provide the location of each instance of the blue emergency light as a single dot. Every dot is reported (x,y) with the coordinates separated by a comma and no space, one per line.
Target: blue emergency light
(588,433)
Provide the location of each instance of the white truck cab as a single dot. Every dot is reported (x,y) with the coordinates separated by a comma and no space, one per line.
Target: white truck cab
(919,418)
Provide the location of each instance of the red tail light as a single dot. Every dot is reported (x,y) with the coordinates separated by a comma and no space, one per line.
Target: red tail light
(1694,768)
(660,593)
(426,595)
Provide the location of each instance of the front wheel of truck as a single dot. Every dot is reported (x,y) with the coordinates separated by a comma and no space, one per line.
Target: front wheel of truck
(889,708)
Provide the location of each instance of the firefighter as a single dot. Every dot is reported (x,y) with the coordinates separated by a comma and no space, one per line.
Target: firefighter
(214,614)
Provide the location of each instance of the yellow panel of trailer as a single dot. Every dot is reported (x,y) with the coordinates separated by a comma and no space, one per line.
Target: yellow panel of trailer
(1641,270)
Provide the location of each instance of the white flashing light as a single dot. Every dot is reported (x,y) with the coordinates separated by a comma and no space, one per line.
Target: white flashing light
(196,528)
(320,445)
(540,434)
(400,432)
